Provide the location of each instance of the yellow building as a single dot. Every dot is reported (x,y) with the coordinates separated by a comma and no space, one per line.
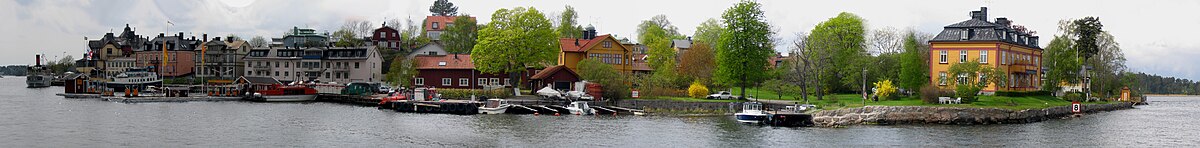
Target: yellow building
(603,48)
(996,44)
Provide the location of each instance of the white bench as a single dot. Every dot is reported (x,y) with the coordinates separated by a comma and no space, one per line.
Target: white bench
(948,100)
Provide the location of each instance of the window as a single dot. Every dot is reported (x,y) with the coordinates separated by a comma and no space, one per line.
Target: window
(983,54)
(419,82)
(1002,58)
(276,64)
(607,44)
(285,64)
(506,80)
(463,81)
(495,81)
(432,53)
(481,81)
(327,75)
(942,78)
(962,56)
(943,56)
(962,79)
(355,65)
(445,81)
(276,73)
(963,35)
(435,25)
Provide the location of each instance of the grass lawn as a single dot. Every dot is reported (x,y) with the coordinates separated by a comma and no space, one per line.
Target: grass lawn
(838,101)
(685,99)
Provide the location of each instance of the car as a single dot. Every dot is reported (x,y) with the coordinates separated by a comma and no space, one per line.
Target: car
(384,89)
(722,95)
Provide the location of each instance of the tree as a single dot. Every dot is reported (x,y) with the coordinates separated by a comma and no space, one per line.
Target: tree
(972,76)
(515,39)
(611,80)
(658,21)
(698,63)
(460,37)
(842,39)
(402,71)
(1086,30)
(914,69)
(1061,63)
(443,8)
(567,25)
(885,41)
(258,41)
(232,37)
(744,46)
(708,32)
(804,70)
(660,55)
(778,87)
(345,38)
(358,27)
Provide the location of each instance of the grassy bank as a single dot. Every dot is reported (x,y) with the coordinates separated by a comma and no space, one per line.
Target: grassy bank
(838,101)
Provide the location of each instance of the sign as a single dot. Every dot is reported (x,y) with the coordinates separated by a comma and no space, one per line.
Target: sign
(635,93)
(1076,107)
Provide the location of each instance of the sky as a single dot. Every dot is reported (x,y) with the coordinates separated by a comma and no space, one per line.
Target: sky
(1157,37)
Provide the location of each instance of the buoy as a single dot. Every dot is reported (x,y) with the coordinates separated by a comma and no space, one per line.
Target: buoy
(535,114)
(556,114)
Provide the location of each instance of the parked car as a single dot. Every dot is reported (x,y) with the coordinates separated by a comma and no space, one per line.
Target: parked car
(384,89)
(722,95)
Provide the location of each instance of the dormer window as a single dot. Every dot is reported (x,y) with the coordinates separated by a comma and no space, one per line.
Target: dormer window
(435,25)
(442,63)
(964,35)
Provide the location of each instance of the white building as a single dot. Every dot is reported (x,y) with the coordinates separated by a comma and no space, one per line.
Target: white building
(324,64)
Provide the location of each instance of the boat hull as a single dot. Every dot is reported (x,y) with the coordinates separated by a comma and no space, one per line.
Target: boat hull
(286,98)
(37,81)
(497,110)
(122,86)
(750,118)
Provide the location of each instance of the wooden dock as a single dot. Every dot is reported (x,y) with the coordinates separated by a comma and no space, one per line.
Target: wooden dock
(458,107)
(350,99)
(169,99)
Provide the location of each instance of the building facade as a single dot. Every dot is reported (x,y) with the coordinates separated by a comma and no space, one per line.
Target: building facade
(221,60)
(454,71)
(386,37)
(180,53)
(604,48)
(994,44)
(333,64)
(435,25)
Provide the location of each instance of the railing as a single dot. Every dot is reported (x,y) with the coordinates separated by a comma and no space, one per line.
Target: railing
(327,88)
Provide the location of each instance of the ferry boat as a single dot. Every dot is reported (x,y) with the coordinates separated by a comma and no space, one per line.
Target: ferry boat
(752,113)
(38,75)
(138,78)
(494,106)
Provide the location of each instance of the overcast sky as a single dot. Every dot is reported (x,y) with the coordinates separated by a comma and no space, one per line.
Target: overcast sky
(1157,36)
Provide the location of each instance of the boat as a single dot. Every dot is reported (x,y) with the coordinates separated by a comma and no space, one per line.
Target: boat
(580,108)
(752,113)
(494,106)
(137,78)
(550,93)
(38,75)
(284,93)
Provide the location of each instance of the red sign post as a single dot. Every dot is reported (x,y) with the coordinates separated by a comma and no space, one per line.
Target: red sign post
(634,93)
(1076,107)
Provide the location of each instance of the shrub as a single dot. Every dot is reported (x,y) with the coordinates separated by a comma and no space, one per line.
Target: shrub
(885,89)
(697,90)
(479,93)
(1023,93)
(967,93)
(1073,96)
(930,94)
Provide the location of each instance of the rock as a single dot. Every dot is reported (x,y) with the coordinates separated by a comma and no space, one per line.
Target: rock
(948,115)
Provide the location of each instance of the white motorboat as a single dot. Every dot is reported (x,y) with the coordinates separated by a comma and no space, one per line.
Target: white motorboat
(134,78)
(752,113)
(580,108)
(494,106)
(550,93)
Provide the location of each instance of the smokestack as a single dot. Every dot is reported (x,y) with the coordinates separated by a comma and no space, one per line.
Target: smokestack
(205,36)
(38,59)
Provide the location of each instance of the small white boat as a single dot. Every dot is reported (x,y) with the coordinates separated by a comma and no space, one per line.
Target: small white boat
(752,113)
(494,106)
(286,98)
(549,93)
(580,108)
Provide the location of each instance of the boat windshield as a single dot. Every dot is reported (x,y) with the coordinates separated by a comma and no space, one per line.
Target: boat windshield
(752,106)
(493,103)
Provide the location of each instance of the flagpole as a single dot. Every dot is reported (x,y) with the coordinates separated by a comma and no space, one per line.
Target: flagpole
(163,62)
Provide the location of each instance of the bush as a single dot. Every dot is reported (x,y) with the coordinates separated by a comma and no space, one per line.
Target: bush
(1023,93)
(1073,96)
(930,94)
(967,93)
(697,90)
(466,93)
(885,89)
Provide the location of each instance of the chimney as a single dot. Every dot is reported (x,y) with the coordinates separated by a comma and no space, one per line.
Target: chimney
(216,39)
(1002,21)
(577,41)
(975,15)
(983,13)
(38,58)
(205,36)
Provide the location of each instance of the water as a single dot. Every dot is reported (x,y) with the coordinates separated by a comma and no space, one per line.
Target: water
(37,118)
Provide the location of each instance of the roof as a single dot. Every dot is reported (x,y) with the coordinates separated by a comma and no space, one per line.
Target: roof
(550,71)
(568,44)
(260,80)
(237,43)
(978,28)
(681,44)
(463,61)
(442,20)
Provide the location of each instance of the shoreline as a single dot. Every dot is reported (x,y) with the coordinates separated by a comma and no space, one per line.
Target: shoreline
(892,115)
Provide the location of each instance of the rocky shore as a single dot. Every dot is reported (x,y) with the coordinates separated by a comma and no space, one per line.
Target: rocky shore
(949,115)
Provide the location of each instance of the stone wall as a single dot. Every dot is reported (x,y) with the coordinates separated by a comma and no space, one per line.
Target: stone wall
(949,115)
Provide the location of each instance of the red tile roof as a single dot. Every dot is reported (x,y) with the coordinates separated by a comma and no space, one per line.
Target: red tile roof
(549,71)
(568,44)
(450,62)
(442,21)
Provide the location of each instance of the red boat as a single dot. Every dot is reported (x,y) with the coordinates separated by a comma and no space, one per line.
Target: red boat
(270,90)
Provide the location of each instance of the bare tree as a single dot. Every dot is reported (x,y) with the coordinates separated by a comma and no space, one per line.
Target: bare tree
(885,41)
(359,27)
(258,41)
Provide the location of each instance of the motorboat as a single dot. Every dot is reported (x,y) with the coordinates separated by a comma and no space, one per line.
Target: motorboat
(494,106)
(579,95)
(580,108)
(549,93)
(284,93)
(138,78)
(752,113)
(38,75)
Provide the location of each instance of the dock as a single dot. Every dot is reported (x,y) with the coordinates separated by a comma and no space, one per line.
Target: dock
(350,99)
(170,99)
(459,107)
(78,96)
